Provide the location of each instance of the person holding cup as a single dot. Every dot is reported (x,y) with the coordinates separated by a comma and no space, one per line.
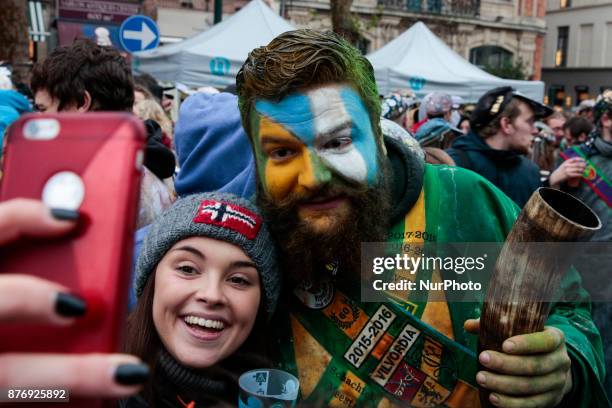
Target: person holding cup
(207,283)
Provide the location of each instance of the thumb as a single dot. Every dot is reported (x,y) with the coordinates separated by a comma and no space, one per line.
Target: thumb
(472,325)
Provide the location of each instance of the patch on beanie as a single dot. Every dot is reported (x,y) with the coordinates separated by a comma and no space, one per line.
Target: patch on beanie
(231,216)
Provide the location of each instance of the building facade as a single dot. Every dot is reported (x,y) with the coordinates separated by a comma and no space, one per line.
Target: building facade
(490,33)
(180,19)
(578,50)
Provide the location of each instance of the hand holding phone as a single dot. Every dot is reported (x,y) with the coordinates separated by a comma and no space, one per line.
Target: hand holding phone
(80,165)
(32,299)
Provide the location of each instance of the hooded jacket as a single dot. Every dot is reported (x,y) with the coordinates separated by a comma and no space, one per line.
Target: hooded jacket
(213,150)
(510,171)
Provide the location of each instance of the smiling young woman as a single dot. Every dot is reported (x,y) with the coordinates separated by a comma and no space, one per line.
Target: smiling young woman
(207,283)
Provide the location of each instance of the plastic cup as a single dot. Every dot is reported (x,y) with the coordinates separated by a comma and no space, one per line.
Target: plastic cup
(267,387)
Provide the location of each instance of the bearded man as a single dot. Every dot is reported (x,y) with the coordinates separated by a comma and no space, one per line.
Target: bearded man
(328,181)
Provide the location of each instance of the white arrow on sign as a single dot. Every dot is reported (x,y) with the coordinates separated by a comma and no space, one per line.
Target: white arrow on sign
(145,35)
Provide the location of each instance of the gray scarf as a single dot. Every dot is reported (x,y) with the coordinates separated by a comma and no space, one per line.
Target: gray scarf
(605,148)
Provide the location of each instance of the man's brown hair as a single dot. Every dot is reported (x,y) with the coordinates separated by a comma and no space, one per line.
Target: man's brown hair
(557,115)
(300,59)
(577,126)
(85,66)
(511,111)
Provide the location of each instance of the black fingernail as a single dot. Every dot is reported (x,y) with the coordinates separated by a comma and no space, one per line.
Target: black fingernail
(69,305)
(131,374)
(64,215)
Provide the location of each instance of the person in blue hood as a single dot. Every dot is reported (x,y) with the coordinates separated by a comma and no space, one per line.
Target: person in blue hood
(12,105)
(213,151)
(503,129)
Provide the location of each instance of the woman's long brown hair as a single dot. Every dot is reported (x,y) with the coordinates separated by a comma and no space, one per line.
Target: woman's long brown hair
(141,337)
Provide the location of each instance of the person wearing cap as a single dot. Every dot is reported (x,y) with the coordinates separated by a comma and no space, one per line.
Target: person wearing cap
(434,105)
(434,136)
(437,133)
(207,284)
(327,181)
(502,132)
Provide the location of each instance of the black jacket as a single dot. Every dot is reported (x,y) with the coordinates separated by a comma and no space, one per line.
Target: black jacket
(510,171)
(158,158)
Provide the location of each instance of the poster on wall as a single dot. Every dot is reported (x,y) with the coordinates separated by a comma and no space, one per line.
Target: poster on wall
(94,19)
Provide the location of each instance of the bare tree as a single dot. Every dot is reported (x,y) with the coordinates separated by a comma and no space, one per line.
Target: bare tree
(14,38)
(344,23)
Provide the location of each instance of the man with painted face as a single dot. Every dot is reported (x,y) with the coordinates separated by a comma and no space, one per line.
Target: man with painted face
(328,181)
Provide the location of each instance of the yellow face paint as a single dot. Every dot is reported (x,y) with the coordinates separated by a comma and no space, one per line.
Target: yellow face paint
(318,132)
(290,167)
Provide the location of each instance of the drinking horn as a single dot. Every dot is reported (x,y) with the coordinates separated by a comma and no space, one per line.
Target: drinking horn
(527,275)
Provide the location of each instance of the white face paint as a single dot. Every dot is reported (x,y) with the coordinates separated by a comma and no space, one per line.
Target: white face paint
(333,126)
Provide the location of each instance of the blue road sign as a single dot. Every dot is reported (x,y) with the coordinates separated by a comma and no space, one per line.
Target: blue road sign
(138,33)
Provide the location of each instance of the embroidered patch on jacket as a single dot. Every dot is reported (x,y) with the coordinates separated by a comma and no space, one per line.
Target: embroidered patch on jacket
(230,216)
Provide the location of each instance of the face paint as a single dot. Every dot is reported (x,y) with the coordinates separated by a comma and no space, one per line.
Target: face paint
(331,120)
(332,130)
(302,171)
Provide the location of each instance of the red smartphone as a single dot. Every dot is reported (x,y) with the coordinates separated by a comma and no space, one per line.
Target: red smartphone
(91,162)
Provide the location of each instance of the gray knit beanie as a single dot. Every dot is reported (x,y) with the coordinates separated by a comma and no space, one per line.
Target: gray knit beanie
(221,216)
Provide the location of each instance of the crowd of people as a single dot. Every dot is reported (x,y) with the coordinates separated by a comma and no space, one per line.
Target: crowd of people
(253,208)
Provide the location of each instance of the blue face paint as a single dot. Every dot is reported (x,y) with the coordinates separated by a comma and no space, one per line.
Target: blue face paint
(363,135)
(293,113)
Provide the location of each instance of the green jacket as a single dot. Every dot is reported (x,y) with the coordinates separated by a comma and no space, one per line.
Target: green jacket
(410,363)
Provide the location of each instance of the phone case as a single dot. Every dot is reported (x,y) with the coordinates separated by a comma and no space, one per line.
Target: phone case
(106,151)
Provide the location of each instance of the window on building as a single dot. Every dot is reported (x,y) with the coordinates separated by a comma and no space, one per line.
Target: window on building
(585,46)
(561,53)
(608,50)
(556,95)
(566,3)
(414,5)
(434,6)
(490,56)
(363,45)
(582,93)
(187,4)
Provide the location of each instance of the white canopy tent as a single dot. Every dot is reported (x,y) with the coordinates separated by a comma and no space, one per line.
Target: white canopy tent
(419,60)
(214,57)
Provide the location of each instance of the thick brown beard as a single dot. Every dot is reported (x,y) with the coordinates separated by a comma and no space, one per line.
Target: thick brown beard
(304,251)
